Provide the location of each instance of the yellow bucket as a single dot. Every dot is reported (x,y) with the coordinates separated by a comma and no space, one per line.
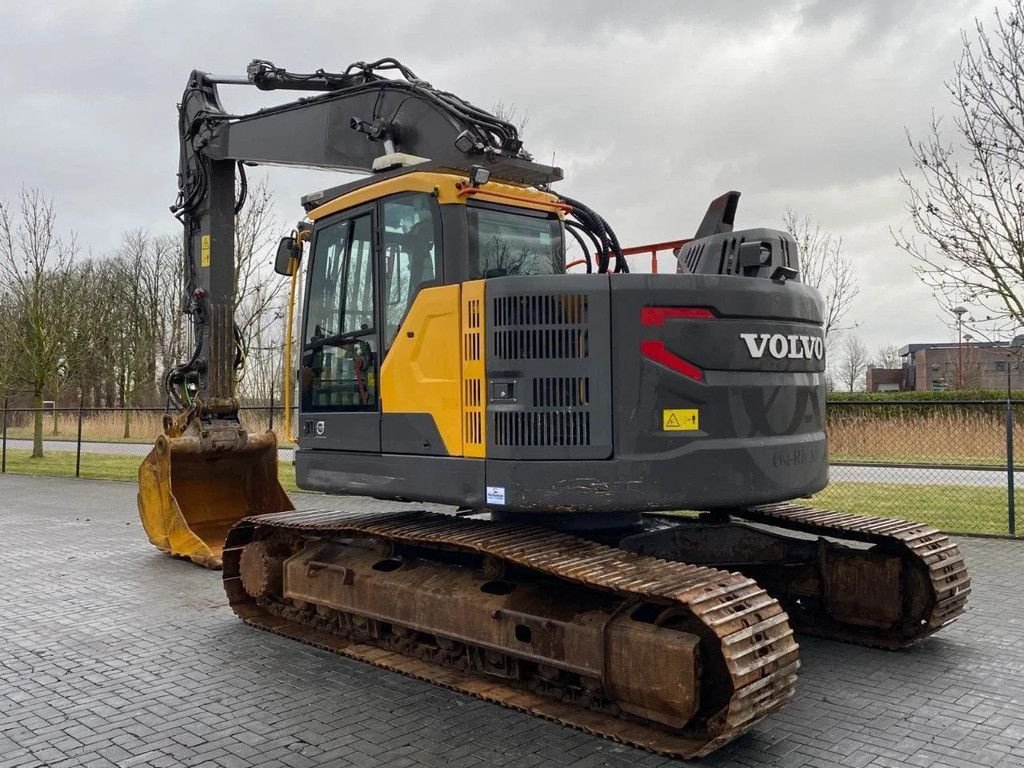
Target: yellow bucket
(189,497)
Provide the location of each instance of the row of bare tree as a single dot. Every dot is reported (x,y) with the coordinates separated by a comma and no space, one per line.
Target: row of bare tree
(105,329)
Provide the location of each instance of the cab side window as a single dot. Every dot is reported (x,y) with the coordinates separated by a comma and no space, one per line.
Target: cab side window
(340,348)
(412,258)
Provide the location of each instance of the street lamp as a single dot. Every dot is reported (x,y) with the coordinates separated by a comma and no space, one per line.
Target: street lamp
(959,312)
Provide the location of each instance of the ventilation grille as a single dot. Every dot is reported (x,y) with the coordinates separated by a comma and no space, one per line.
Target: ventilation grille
(546,344)
(473,371)
(473,426)
(543,309)
(561,392)
(543,327)
(542,429)
(691,257)
(471,335)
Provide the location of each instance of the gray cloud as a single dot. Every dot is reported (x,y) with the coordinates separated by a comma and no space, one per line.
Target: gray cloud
(652,107)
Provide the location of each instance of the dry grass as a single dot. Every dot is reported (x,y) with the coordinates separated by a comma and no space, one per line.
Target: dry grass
(939,438)
(950,438)
(109,426)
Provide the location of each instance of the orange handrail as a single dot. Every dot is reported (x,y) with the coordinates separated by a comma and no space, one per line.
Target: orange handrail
(651,248)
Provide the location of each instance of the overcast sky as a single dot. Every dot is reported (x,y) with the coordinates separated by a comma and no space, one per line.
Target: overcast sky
(652,108)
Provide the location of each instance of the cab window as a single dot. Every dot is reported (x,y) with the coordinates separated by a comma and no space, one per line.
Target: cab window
(340,350)
(411,255)
(503,242)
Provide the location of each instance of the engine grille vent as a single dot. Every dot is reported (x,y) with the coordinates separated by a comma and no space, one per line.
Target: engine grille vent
(542,344)
(561,392)
(542,429)
(692,257)
(542,327)
(543,309)
(472,376)
(545,338)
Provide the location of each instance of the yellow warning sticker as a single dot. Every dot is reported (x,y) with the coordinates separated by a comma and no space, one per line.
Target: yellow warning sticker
(204,251)
(680,419)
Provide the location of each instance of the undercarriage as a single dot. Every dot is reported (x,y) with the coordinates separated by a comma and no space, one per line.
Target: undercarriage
(648,642)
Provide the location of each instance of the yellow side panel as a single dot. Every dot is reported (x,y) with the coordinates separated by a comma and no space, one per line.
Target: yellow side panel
(474,400)
(422,372)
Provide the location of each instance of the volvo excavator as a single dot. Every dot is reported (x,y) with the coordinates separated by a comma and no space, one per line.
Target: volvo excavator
(447,355)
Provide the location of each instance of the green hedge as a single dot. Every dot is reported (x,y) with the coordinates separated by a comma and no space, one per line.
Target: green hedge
(964,402)
(940,396)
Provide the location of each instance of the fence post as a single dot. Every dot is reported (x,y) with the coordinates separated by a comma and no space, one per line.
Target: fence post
(271,427)
(3,461)
(1010,502)
(78,449)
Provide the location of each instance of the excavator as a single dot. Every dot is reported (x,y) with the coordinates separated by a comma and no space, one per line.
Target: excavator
(627,453)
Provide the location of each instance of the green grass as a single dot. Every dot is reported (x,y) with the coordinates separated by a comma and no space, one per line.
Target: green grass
(954,508)
(25,433)
(101,466)
(912,459)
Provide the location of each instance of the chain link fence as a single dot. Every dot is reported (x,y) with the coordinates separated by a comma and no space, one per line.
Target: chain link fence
(952,464)
(943,463)
(107,443)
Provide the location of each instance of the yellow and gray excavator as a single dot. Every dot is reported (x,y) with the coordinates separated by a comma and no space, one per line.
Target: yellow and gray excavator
(448,356)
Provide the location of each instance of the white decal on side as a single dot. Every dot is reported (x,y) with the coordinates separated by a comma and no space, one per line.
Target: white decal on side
(793,347)
(495,494)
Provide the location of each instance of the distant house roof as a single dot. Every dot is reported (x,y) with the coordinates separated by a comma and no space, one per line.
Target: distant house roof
(910,349)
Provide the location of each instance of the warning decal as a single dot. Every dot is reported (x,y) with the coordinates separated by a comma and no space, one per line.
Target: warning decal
(204,251)
(680,420)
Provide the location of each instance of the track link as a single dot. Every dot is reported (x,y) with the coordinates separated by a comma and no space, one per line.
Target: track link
(739,623)
(930,551)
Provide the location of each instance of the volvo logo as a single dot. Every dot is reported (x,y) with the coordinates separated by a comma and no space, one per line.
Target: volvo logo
(779,346)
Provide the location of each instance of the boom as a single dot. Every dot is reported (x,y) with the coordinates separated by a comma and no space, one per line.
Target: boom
(360,121)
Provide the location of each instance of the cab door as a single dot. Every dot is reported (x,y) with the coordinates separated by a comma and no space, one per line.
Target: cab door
(339,369)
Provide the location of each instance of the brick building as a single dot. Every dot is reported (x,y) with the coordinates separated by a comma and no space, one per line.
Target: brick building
(884,379)
(971,365)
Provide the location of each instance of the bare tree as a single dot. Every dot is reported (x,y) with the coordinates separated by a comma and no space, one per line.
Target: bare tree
(825,267)
(967,200)
(258,291)
(510,114)
(8,353)
(37,273)
(135,280)
(888,356)
(81,294)
(853,362)
(165,298)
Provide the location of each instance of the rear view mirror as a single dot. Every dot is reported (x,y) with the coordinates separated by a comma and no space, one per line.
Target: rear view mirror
(289,248)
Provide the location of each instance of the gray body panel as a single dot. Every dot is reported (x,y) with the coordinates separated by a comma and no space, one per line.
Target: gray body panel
(439,479)
(761,418)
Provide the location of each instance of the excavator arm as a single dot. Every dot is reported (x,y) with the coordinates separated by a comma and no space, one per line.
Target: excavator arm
(359,121)
(207,470)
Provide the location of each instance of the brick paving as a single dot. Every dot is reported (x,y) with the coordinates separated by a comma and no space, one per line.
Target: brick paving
(114,655)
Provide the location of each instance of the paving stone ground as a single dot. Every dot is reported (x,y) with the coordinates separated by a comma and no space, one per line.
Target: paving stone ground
(114,655)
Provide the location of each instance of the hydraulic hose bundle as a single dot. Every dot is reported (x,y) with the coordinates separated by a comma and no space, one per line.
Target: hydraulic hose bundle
(587,223)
